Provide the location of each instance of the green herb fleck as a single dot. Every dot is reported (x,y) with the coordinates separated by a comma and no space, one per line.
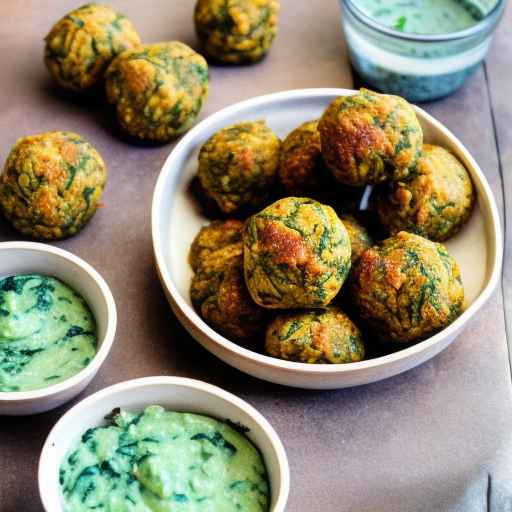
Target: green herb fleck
(400,23)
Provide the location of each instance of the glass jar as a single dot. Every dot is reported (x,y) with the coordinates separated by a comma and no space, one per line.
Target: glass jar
(418,67)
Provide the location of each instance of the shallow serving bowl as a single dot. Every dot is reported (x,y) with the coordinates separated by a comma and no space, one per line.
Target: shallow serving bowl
(176,219)
(173,393)
(31,257)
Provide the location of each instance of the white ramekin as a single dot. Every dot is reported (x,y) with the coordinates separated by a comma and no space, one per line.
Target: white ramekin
(35,258)
(173,393)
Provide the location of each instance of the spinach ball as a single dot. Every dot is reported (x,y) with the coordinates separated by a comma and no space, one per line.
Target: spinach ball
(296,254)
(81,45)
(369,138)
(435,203)
(157,89)
(303,172)
(238,166)
(216,247)
(51,184)
(407,288)
(315,336)
(218,291)
(230,309)
(302,169)
(236,31)
(215,237)
(360,238)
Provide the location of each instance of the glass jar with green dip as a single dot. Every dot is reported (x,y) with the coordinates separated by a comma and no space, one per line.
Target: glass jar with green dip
(419,49)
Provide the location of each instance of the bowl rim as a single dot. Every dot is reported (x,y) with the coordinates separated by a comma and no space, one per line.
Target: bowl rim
(271,435)
(108,338)
(496,245)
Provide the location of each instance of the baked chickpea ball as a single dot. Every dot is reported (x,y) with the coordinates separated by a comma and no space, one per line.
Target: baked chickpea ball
(302,169)
(303,172)
(236,31)
(81,45)
(434,203)
(230,309)
(407,288)
(360,238)
(214,237)
(315,336)
(238,166)
(218,290)
(369,138)
(157,89)
(51,184)
(203,285)
(296,254)
(216,247)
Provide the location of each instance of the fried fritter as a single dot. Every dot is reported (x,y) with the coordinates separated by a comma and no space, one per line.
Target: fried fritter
(407,288)
(81,45)
(435,203)
(157,89)
(51,184)
(369,138)
(238,166)
(296,254)
(315,336)
(236,31)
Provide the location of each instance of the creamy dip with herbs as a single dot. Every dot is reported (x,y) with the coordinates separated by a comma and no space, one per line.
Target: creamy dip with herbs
(405,66)
(47,332)
(423,16)
(164,461)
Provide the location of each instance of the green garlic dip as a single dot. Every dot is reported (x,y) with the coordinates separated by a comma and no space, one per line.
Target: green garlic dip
(164,461)
(47,332)
(426,16)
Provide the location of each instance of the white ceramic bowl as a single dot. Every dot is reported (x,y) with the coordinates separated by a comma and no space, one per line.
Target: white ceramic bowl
(173,393)
(176,220)
(31,257)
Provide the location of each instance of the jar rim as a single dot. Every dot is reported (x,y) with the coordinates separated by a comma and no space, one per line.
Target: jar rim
(489,21)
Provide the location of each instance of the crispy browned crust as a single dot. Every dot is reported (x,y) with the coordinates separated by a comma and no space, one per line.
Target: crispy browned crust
(157,89)
(435,203)
(315,336)
(296,253)
(369,138)
(238,166)
(81,45)
(407,288)
(236,31)
(51,184)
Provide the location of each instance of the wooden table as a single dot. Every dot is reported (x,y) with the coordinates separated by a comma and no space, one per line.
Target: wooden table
(435,439)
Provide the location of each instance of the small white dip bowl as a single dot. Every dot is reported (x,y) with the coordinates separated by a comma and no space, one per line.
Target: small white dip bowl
(172,393)
(176,219)
(35,258)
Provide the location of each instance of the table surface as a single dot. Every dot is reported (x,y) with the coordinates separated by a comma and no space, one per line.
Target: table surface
(436,438)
